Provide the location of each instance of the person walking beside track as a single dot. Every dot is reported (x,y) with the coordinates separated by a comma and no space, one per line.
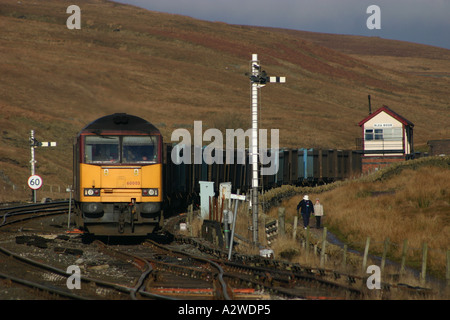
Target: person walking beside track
(318,212)
(306,207)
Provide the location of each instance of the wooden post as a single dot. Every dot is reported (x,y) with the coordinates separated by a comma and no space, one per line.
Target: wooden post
(322,253)
(281,226)
(307,241)
(221,208)
(366,253)
(215,239)
(210,208)
(447,276)
(383,257)
(190,218)
(424,263)
(217,209)
(294,229)
(404,252)
(344,258)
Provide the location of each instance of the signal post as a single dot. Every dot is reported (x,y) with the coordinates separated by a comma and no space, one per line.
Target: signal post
(258,79)
(34,181)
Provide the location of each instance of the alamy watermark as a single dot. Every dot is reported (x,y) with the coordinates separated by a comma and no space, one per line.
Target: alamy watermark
(214,151)
(73,21)
(373,281)
(74,281)
(374,21)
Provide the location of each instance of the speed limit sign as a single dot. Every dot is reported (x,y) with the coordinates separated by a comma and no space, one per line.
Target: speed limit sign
(35,182)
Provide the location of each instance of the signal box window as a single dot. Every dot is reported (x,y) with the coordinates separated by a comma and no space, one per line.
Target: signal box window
(378,134)
(369,134)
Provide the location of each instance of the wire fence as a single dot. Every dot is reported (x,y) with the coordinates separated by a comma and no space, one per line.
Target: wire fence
(12,193)
(403,258)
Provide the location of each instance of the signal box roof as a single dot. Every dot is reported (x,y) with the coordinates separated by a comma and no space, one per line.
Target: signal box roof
(389,111)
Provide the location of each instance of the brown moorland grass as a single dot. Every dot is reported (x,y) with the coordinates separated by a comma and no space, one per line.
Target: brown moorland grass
(411,203)
(173,70)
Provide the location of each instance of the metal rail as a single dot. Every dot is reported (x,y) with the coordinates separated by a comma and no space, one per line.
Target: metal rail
(219,276)
(142,264)
(279,271)
(99,283)
(22,212)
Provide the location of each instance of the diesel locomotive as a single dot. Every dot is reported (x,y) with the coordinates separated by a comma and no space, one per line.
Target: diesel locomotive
(118,176)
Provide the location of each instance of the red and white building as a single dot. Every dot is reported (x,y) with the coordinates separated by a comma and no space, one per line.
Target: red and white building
(387,137)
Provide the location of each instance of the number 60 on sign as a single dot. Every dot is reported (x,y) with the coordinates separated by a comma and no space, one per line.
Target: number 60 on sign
(35,182)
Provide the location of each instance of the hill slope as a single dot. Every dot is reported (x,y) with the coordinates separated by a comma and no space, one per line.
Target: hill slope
(173,70)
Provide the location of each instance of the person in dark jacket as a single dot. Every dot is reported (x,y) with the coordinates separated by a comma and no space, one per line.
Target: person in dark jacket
(306,207)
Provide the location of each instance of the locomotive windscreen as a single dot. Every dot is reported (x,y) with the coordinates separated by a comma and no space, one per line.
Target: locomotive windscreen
(121,149)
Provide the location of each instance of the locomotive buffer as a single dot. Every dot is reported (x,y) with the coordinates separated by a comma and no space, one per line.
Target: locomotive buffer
(258,79)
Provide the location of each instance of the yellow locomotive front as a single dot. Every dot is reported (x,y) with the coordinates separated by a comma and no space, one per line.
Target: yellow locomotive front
(118,176)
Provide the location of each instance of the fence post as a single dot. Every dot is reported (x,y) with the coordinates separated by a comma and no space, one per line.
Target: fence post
(190,218)
(281,215)
(447,276)
(322,252)
(307,241)
(294,229)
(404,252)
(366,252)
(344,258)
(424,263)
(383,258)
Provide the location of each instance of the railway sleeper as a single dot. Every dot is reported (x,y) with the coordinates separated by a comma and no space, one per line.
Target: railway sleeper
(182,270)
(282,273)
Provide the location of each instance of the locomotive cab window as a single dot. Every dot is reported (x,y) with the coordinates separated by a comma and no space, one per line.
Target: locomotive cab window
(140,149)
(121,149)
(101,149)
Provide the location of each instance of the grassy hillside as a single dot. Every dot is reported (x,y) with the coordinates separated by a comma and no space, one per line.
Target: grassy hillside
(409,200)
(172,70)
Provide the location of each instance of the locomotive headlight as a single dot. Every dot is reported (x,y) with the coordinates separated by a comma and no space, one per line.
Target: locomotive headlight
(91,192)
(153,192)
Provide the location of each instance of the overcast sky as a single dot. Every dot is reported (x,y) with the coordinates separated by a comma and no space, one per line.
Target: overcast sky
(421,21)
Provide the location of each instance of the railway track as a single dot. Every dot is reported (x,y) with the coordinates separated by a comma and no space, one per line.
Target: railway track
(47,279)
(192,266)
(44,280)
(182,268)
(20,213)
(57,285)
(278,279)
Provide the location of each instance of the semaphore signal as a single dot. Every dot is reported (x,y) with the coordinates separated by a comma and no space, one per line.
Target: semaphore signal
(258,79)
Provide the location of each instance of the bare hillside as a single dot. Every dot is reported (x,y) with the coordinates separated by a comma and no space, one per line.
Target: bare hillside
(173,70)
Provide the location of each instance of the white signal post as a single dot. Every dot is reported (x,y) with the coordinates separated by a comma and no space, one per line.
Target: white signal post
(258,80)
(35,180)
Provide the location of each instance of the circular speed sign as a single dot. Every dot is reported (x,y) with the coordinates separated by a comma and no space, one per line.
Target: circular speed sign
(35,182)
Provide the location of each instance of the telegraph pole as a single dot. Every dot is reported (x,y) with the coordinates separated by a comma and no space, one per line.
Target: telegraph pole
(258,80)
